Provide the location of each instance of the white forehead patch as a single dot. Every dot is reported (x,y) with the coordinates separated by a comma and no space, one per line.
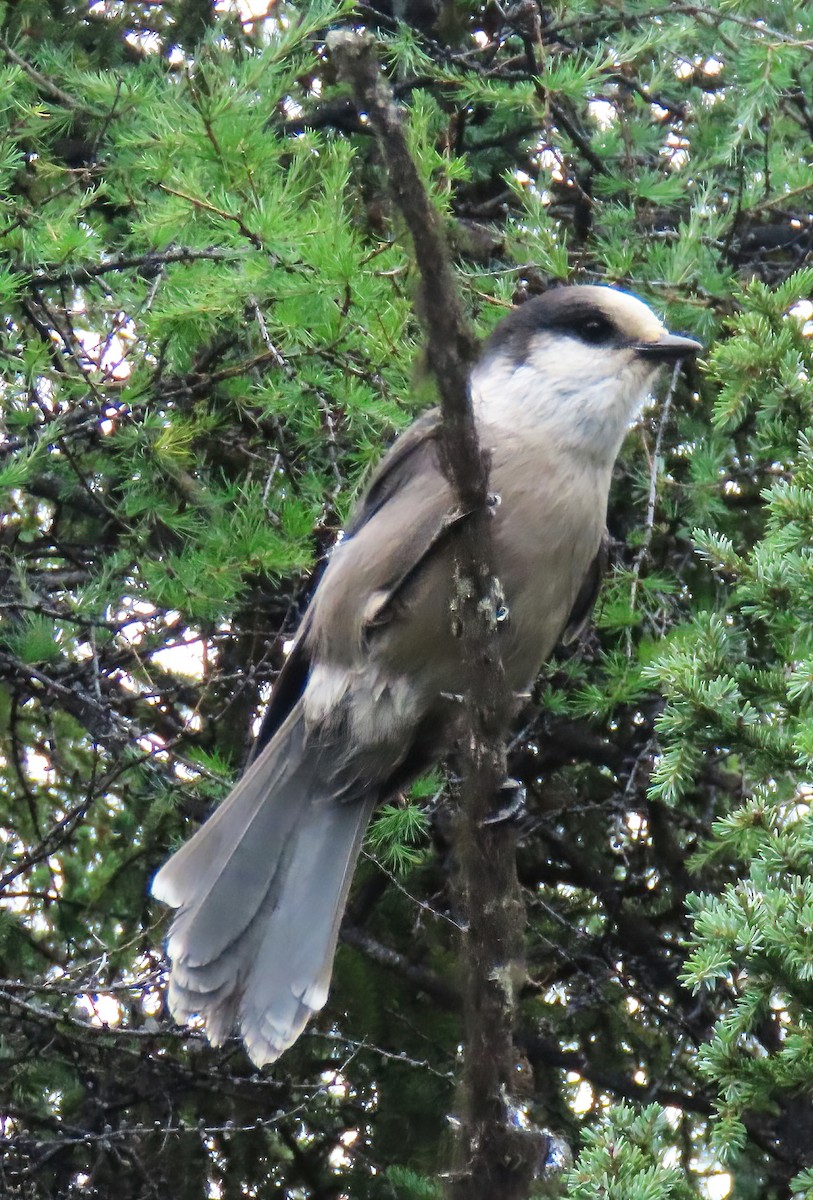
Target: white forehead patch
(628,313)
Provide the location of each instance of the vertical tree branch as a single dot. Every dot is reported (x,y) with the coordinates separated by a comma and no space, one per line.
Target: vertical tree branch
(496,1156)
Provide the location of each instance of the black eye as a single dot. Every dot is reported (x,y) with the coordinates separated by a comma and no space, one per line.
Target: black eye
(596,331)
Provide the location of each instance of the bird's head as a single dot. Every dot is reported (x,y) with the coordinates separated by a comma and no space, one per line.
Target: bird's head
(578,361)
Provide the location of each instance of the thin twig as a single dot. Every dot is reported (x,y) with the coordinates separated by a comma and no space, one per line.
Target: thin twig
(656,463)
(42,81)
(125,262)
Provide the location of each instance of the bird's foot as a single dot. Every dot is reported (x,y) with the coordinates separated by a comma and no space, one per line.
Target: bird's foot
(511,797)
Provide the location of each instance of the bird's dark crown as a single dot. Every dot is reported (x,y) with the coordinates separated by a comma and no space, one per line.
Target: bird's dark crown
(594,315)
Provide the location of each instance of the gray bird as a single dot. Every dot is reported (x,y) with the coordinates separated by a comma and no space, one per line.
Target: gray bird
(365,701)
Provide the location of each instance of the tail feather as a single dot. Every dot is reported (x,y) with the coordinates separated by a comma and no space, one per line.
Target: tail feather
(219,867)
(292,969)
(260,890)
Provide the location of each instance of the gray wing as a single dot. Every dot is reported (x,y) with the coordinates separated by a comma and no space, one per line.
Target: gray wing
(407,512)
(401,552)
(390,473)
(288,688)
(588,594)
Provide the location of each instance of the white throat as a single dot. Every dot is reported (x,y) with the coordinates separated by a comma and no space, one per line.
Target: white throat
(573,398)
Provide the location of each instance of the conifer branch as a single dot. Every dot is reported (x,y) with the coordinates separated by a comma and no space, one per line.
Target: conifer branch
(42,82)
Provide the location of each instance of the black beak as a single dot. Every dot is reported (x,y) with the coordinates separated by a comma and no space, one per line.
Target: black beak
(669,348)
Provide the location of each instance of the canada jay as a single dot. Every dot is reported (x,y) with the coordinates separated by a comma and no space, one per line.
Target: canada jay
(365,700)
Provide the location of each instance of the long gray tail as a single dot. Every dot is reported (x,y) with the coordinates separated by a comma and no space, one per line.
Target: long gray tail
(261,889)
